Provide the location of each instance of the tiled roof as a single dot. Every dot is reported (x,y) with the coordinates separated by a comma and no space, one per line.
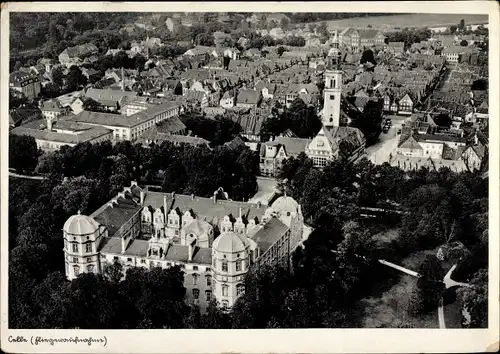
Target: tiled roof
(17,115)
(196,96)
(409,142)
(345,139)
(19,76)
(269,233)
(119,120)
(80,50)
(171,125)
(205,208)
(293,146)
(250,123)
(85,134)
(248,97)
(52,105)
(153,135)
(441,138)
(108,95)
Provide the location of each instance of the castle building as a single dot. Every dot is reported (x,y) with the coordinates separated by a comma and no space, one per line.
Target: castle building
(214,241)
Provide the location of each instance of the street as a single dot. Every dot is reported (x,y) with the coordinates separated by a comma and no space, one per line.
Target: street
(267,186)
(387,144)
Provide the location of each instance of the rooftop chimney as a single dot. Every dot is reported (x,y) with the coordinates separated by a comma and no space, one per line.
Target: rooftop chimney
(215,197)
(142,197)
(165,206)
(191,248)
(192,196)
(124,244)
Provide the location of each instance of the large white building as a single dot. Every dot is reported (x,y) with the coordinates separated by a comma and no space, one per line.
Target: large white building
(214,241)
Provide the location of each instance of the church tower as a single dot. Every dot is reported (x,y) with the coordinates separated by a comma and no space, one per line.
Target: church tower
(333,86)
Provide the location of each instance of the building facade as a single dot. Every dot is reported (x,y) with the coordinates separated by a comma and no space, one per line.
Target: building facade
(26,83)
(215,242)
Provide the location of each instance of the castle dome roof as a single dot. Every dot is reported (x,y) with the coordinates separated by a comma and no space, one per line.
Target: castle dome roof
(229,242)
(285,204)
(80,225)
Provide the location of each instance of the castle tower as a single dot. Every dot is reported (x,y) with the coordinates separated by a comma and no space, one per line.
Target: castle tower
(82,236)
(333,86)
(231,259)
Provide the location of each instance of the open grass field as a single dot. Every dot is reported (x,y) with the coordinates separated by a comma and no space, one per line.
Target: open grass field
(388,23)
(387,305)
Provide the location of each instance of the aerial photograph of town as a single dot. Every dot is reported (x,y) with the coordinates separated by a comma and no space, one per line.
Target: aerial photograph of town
(247,170)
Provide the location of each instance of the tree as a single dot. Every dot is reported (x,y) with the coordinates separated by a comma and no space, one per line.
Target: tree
(430,286)
(464,43)
(113,272)
(23,153)
(280,50)
(461,25)
(370,121)
(90,104)
(475,299)
(453,29)
(75,79)
(57,76)
(16,99)
(204,39)
(368,56)
(301,119)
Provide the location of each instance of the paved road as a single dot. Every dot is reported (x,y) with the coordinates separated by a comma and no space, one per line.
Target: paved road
(13,174)
(387,144)
(267,186)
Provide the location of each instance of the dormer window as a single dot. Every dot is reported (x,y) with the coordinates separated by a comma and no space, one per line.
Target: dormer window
(320,143)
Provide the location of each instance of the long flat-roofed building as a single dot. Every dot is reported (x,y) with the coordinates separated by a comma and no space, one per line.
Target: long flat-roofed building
(50,136)
(130,127)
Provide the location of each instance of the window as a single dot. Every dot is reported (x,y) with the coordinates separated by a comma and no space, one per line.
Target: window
(195,278)
(320,143)
(115,258)
(129,259)
(332,97)
(209,280)
(238,266)
(224,290)
(88,247)
(168,264)
(76,270)
(224,266)
(208,295)
(195,267)
(89,259)
(75,260)
(90,268)
(143,261)
(240,289)
(75,247)
(196,294)
(225,303)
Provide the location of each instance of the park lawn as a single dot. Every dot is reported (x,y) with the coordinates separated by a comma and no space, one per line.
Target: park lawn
(453,315)
(387,305)
(389,309)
